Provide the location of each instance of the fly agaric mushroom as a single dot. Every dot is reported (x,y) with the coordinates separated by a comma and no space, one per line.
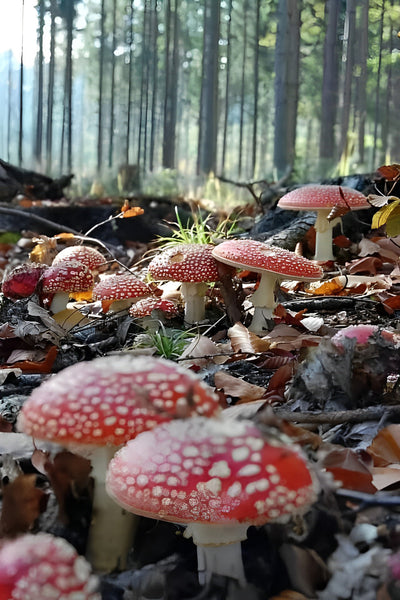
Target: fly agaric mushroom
(194,266)
(274,264)
(22,281)
(216,476)
(323,198)
(94,407)
(59,281)
(144,309)
(87,255)
(119,292)
(34,567)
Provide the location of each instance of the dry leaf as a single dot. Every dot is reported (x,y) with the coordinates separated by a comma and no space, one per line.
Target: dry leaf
(238,388)
(23,502)
(385,448)
(383,477)
(350,469)
(369,264)
(243,340)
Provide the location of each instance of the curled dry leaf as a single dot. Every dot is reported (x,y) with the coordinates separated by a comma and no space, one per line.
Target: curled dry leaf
(350,468)
(385,448)
(243,340)
(370,265)
(23,502)
(238,388)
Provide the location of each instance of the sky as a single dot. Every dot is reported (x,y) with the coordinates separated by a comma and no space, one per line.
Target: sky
(11,29)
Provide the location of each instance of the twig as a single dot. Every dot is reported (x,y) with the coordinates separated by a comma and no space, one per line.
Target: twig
(367,500)
(358,415)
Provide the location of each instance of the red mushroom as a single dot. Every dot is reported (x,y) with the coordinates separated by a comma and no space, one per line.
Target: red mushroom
(194,266)
(323,198)
(35,567)
(22,281)
(87,255)
(216,476)
(94,407)
(119,292)
(59,281)
(274,264)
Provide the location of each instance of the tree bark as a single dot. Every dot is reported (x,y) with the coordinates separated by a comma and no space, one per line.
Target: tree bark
(287,63)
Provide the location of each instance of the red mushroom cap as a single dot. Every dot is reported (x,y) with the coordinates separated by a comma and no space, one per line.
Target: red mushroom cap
(144,308)
(22,281)
(362,333)
(67,277)
(186,263)
(257,256)
(314,197)
(34,567)
(210,471)
(111,399)
(120,287)
(86,255)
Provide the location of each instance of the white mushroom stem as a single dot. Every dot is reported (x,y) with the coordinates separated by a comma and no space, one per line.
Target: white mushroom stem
(193,294)
(264,301)
(59,302)
(218,550)
(112,528)
(323,238)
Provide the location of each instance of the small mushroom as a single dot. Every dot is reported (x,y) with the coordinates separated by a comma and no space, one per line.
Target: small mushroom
(35,567)
(59,281)
(22,281)
(323,198)
(119,292)
(274,264)
(216,476)
(92,408)
(194,266)
(86,255)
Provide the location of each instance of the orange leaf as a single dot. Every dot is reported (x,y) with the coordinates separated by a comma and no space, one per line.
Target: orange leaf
(341,241)
(22,504)
(389,172)
(350,468)
(393,302)
(64,236)
(42,366)
(133,212)
(385,447)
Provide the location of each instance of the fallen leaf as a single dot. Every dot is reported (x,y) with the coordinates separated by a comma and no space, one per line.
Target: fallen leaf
(369,264)
(383,477)
(243,340)
(350,469)
(385,448)
(23,502)
(238,388)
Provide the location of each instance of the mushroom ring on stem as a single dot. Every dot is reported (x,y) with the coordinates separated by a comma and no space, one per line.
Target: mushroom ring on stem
(94,407)
(274,265)
(324,198)
(216,476)
(194,266)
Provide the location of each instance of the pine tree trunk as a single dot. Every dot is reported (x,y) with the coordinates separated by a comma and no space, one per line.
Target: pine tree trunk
(50,93)
(39,109)
(21,89)
(348,53)
(242,88)
(227,85)
(256,89)
(112,85)
(101,81)
(154,68)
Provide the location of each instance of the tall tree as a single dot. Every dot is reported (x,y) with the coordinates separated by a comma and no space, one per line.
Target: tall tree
(67,9)
(330,85)
(39,109)
(256,87)
(171,64)
(242,87)
(112,84)
(227,84)
(154,71)
(50,90)
(347,85)
(101,88)
(287,62)
(207,143)
(21,87)
(360,103)
(130,83)
(378,85)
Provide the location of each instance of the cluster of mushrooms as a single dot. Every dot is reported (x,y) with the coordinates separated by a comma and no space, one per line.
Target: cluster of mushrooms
(158,440)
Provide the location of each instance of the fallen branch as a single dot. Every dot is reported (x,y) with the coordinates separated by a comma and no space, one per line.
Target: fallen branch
(337,417)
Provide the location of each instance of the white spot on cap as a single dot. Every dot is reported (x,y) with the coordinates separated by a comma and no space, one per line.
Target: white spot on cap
(240,453)
(249,470)
(220,469)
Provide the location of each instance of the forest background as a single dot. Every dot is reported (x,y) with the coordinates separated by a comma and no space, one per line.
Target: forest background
(185,90)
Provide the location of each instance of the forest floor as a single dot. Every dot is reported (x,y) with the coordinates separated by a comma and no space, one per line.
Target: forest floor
(339,402)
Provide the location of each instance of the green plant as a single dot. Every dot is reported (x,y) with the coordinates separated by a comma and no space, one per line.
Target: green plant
(168,342)
(199,231)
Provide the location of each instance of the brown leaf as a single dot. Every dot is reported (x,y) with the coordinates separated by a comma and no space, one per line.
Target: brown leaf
(384,477)
(243,340)
(341,241)
(238,388)
(389,172)
(337,211)
(369,265)
(350,469)
(133,212)
(23,502)
(385,447)
(280,378)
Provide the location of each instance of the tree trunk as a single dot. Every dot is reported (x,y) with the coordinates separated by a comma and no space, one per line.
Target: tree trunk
(330,85)
(207,144)
(101,80)
(154,68)
(377,87)
(112,84)
(345,149)
(39,110)
(256,88)
(50,94)
(361,81)
(21,88)
(242,88)
(129,99)
(171,86)
(227,84)
(287,60)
